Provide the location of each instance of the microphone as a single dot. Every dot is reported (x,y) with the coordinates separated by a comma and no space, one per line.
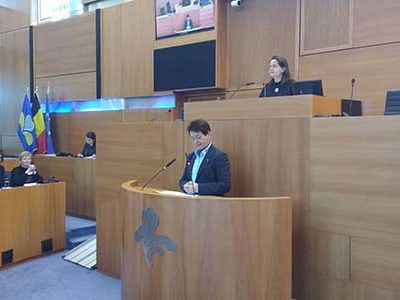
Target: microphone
(241,86)
(158,172)
(353,81)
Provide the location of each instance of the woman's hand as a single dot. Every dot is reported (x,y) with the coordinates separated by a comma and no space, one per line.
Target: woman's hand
(31,170)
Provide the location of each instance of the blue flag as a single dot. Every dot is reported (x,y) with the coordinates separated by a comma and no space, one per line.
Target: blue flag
(26,127)
(50,149)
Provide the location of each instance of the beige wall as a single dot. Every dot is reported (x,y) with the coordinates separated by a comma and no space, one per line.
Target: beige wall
(65,58)
(14,69)
(256,32)
(14,80)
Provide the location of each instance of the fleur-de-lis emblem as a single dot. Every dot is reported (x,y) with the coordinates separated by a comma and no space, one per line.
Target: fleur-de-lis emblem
(151,242)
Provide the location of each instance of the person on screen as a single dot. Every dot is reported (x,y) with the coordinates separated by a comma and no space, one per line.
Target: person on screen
(186,3)
(188,23)
(2,172)
(89,149)
(281,84)
(207,170)
(26,172)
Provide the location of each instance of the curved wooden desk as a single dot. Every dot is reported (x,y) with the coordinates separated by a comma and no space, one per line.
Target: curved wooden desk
(226,248)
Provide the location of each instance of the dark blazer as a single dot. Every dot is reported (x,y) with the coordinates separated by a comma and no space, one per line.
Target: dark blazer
(213,177)
(19,178)
(2,176)
(276,89)
(88,150)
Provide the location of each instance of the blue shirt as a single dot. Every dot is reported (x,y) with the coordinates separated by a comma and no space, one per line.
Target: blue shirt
(200,154)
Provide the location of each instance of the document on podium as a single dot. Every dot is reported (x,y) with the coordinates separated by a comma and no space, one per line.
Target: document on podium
(173,193)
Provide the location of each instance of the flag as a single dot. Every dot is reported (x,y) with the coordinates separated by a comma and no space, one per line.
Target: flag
(26,127)
(50,149)
(39,125)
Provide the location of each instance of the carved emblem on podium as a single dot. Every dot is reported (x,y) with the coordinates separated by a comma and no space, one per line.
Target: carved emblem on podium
(151,242)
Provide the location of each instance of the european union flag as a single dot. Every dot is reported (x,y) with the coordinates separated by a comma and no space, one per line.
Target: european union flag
(50,149)
(26,127)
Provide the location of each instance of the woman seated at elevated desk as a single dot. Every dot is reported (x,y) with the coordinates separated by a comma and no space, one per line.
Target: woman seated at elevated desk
(2,172)
(26,172)
(89,149)
(281,84)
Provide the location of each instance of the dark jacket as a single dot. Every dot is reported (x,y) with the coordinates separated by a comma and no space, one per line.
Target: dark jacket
(213,176)
(2,176)
(88,150)
(19,178)
(275,89)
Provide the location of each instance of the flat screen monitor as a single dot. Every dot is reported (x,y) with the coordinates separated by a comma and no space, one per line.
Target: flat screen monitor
(185,67)
(307,87)
(182,17)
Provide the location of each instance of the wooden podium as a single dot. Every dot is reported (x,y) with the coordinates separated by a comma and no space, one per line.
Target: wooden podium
(214,248)
(32,221)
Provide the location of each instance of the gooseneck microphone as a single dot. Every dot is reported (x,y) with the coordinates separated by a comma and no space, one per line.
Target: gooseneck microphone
(241,86)
(158,172)
(353,81)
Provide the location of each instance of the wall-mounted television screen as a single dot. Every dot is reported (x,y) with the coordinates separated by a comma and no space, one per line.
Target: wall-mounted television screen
(181,17)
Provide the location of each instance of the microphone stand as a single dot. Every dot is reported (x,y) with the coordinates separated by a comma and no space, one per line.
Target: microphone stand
(351,96)
(240,86)
(158,172)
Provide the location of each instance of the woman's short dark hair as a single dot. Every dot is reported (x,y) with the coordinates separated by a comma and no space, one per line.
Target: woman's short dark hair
(91,135)
(282,62)
(199,125)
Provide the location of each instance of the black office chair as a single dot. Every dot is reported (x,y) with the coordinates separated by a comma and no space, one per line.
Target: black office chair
(392,106)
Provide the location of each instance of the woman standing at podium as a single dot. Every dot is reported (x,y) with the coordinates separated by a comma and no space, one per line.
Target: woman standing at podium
(2,173)
(281,84)
(26,172)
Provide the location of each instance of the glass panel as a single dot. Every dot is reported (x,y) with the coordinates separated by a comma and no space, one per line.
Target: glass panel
(53,10)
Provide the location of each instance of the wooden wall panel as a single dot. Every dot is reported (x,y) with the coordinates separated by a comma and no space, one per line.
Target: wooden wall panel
(362,192)
(69,130)
(82,122)
(111,51)
(68,87)
(222,44)
(14,15)
(140,115)
(127,50)
(329,254)
(59,132)
(261,29)
(354,194)
(137,19)
(130,151)
(65,47)
(328,288)
(326,25)
(376,22)
(14,79)
(369,66)
(375,264)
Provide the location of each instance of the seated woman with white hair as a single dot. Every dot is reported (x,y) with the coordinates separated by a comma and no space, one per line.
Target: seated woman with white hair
(26,172)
